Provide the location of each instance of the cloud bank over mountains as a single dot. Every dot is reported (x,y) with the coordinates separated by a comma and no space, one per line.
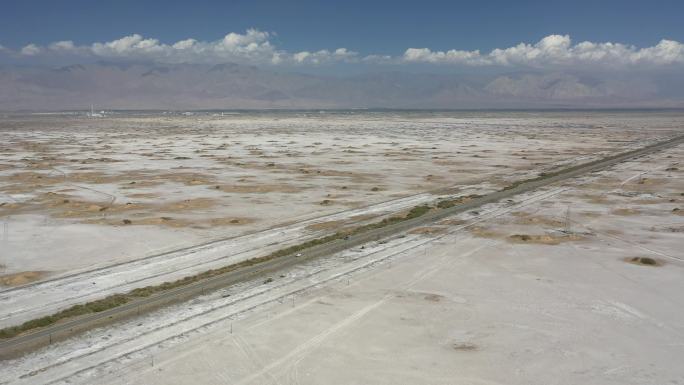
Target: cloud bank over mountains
(255,47)
(247,70)
(557,50)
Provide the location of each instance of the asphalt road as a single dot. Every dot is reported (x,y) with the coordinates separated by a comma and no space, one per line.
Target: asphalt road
(44,336)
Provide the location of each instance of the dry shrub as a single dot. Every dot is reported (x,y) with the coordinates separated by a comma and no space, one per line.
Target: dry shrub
(544,239)
(523,218)
(21,278)
(464,347)
(644,261)
(625,211)
(484,232)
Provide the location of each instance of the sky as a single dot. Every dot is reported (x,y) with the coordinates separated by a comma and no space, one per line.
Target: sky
(366,28)
(623,52)
(380,27)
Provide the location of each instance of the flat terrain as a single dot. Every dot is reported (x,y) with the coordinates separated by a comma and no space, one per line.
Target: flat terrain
(575,283)
(92,207)
(78,194)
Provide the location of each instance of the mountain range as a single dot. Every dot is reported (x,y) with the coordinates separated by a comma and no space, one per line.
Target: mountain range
(111,85)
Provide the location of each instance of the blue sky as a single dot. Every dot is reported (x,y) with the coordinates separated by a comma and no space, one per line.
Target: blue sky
(368,27)
(352,35)
(620,51)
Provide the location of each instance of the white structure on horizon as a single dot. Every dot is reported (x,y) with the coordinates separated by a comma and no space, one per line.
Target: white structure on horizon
(93,114)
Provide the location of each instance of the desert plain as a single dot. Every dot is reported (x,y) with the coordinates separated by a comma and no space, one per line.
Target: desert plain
(578,282)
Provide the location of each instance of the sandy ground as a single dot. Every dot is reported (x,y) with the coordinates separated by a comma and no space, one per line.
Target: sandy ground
(47,297)
(543,290)
(78,194)
(92,207)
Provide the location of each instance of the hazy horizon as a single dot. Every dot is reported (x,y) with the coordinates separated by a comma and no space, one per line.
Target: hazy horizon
(311,55)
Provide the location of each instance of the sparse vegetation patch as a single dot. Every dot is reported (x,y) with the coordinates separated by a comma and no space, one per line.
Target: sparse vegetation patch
(644,261)
(21,278)
(544,239)
(120,299)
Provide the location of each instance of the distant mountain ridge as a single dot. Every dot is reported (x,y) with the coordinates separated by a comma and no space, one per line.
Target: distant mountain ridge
(231,85)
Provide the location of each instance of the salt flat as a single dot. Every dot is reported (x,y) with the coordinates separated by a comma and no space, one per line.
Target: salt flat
(78,194)
(575,283)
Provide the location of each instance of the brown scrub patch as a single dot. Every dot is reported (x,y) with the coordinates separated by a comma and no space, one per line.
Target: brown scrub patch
(644,261)
(543,239)
(484,232)
(452,222)
(524,218)
(161,221)
(625,211)
(260,189)
(230,221)
(433,297)
(21,278)
(143,195)
(464,347)
(596,199)
(187,205)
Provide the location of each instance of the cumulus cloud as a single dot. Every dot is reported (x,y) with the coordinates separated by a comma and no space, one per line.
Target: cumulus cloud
(184,44)
(64,45)
(557,50)
(30,50)
(325,56)
(133,45)
(451,56)
(255,47)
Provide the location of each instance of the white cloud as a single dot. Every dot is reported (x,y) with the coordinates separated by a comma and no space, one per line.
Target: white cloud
(252,37)
(131,45)
(451,56)
(666,52)
(300,57)
(184,44)
(255,47)
(64,45)
(557,50)
(379,59)
(30,50)
(252,46)
(325,56)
